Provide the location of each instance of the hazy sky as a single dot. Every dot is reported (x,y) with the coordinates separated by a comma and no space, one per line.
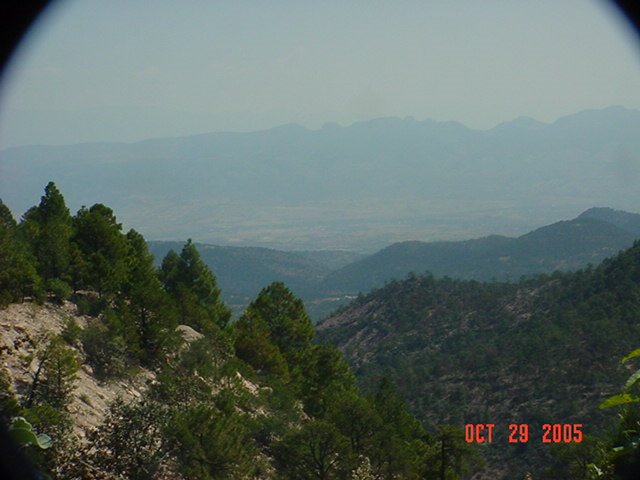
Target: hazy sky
(126,70)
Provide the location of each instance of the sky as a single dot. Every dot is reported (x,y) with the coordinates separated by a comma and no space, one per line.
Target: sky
(125,70)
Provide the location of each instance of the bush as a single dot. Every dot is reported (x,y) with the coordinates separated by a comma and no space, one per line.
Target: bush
(105,352)
(71,331)
(130,442)
(211,444)
(55,377)
(92,306)
(6,298)
(60,290)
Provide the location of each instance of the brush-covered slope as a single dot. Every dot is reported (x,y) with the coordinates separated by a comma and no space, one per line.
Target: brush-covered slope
(542,351)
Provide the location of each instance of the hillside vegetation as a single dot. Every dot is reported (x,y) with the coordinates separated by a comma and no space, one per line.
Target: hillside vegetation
(252,399)
(543,350)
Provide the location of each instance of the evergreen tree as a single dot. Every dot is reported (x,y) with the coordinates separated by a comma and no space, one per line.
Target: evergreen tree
(453,457)
(193,287)
(289,325)
(144,303)
(210,444)
(315,451)
(401,442)
(253,345)
(326,378)
(48,228)
(357,420)
(18,275)
(394,413)
(191,376)
(130,442)
(103,248)
(54,379)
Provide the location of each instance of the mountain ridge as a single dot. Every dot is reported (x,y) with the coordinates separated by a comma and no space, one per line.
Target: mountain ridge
(230,187)
(582,240)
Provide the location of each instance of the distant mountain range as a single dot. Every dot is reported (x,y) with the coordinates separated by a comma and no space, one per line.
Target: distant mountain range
(329,279)
(358,188)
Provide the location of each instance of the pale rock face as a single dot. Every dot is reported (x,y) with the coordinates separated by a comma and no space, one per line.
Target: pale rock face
(188,334)
(25,329)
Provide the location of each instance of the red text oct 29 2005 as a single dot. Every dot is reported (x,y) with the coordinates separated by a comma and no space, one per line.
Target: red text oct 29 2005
(523,433)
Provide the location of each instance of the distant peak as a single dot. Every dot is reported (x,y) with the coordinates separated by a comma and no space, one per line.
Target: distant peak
(626,220)
(287,127)
(597,211)
(613,112)
(521,123)
(330,126)
(600,212)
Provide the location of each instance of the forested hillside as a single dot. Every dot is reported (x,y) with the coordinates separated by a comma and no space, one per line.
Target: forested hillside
(250,399)
(566,245)
(544,350)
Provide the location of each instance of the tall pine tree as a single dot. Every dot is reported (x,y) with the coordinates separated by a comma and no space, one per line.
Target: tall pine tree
(290,326)
(48,229)
(18,276)
(103,249)
(193,287)
(144,304)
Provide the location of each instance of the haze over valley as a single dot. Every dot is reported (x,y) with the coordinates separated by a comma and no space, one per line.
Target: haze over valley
(356,188)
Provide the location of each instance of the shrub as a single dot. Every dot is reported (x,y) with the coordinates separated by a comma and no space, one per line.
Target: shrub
(55,377)
(90,306)
(129,443)
(60,290)
(105,352)
(71,331)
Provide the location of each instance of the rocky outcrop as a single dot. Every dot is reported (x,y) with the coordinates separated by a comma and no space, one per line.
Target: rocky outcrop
(25,330)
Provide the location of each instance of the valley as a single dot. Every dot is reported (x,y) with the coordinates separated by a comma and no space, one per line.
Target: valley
(328,279)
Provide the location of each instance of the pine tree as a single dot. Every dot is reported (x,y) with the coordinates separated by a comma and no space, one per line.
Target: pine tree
(253,345)
(211,444)
(401,442)
(357,420)
(326,378)
(144,303)
(18,275)
(289,325)
(103,248)
(54,379)
(130,442)
(48,228)
(193,287)
(286,330)
(316,451)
